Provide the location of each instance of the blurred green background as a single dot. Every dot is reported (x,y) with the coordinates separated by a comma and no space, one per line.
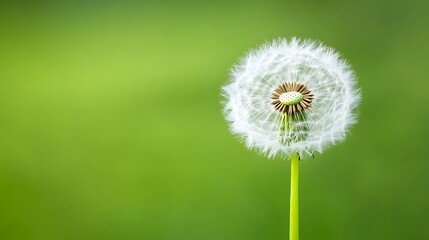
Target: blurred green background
(111,124)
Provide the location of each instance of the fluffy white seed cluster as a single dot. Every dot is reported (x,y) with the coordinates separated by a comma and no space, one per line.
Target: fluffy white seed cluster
(247,96)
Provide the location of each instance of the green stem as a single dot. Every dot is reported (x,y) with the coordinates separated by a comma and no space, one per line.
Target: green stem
(293,217)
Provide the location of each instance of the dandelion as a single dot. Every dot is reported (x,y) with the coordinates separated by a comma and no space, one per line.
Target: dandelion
(291,99)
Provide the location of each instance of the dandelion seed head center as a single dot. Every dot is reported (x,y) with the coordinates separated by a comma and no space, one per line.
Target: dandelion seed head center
(291,98)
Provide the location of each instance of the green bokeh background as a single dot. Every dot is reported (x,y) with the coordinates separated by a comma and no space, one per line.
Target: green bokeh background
(111,124)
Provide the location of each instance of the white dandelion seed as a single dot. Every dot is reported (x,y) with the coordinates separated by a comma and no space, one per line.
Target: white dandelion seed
(291,97)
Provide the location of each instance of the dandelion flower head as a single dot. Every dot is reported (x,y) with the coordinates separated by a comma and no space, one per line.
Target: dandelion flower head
(291,97)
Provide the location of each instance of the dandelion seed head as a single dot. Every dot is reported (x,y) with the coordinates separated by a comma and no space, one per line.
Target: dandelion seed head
(291,97)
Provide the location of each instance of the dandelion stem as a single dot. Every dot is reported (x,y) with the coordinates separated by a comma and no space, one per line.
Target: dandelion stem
(293,217)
